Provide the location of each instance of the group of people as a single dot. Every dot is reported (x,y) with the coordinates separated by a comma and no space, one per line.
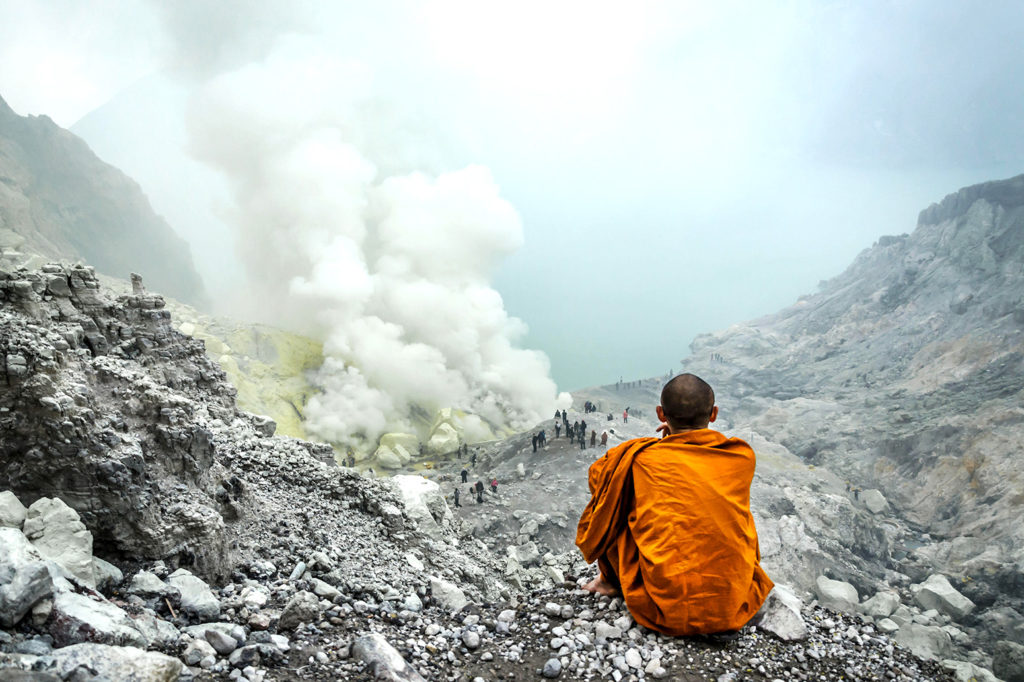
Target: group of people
(589,407)
(540,438)
(475,489)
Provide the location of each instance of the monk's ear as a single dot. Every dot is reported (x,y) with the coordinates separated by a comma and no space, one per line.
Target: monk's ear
(661,413)
(714,414)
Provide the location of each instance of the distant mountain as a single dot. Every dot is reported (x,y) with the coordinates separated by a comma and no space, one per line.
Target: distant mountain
(58,200)
(906,373)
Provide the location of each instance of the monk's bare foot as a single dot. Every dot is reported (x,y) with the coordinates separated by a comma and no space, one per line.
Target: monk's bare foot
(600,586)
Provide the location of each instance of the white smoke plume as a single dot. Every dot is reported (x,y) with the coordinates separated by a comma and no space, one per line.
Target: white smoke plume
(345,238)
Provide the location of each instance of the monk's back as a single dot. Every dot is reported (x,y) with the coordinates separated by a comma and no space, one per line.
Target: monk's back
(683,545)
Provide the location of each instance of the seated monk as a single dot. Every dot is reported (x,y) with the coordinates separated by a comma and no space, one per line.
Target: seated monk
(669,521)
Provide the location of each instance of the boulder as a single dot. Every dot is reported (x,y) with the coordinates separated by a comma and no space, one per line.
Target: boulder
(1008,661)
(926,641)
(525,554)
(424,503)
(12,511)
(447,595)
(107,574)
(836,594)
(24,578)
(395,450)
(196,595)
(781,615)
(58,533)
(303,607)
(881,605)
(936,593)
(77,619)
(383,660)
(127,664)
(968,672)
(444,434)
(146,584)
(875,501)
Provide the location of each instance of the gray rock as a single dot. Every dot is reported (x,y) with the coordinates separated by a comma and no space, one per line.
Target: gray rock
(1008,661)
(12,511)
(887,626)
(223,644)
(781,615)
(968,672)
(448,595)
(471,639)
(552,668)
(197,650)
(881,605)
(322,589)
(77,619)
(936,593)
(196,595)
(58,533)
(117,663)
(875,501)
(107,574)
(837,594)
(383,660)
(926,641)
(303,607)
(146,584)
(24,578)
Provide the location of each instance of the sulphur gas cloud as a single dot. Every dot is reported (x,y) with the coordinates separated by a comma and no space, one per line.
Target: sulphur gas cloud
(347,234)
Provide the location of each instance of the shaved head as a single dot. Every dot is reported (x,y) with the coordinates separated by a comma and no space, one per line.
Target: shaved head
(687,401)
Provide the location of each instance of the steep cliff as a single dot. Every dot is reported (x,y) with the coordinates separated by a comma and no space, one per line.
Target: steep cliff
(906,373)
(58,200)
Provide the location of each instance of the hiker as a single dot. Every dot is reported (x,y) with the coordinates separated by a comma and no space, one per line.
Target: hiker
(593,438)
(604,438)
(457,497)
(669,521)
(494,485)
(472,460)
(535,442)
(625,415)
(465,475)
(558,427)
(583,440)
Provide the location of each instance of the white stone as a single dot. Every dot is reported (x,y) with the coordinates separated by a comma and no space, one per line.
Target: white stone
(926,641)
(325,590)
(12,511)
(633,659)
(382,659)
(413,561)
(77,619)
(887,626)
(782,615)
(107,574)
(447,595)
(147,584)
(881,605)
(520,470)
(58,533)
(875,501)
(117,663)
(196,595)
(937,593)
(837,594)
(24,578)
(527,554)
(424,503)
(968,672)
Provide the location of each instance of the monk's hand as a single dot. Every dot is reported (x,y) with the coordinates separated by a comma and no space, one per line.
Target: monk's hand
(662,429)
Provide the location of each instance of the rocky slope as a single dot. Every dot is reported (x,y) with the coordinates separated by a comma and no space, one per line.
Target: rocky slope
(58,200)
(145,511)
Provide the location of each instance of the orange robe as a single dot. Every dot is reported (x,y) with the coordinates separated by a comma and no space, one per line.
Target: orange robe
(669,523)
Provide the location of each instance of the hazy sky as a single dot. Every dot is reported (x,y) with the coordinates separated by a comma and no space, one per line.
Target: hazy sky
(676,166)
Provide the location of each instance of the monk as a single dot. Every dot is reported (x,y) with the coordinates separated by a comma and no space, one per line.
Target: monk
(669,521)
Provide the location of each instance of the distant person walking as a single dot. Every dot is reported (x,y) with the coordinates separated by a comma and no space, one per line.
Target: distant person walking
(593,438)
(472,460)
(494,485)
(558,427)
(535,442)
(465,475)
(604,438)
(457,498)
(479,492)
(625,415)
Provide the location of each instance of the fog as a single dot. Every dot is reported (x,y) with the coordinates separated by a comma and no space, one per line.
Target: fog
(435,187)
